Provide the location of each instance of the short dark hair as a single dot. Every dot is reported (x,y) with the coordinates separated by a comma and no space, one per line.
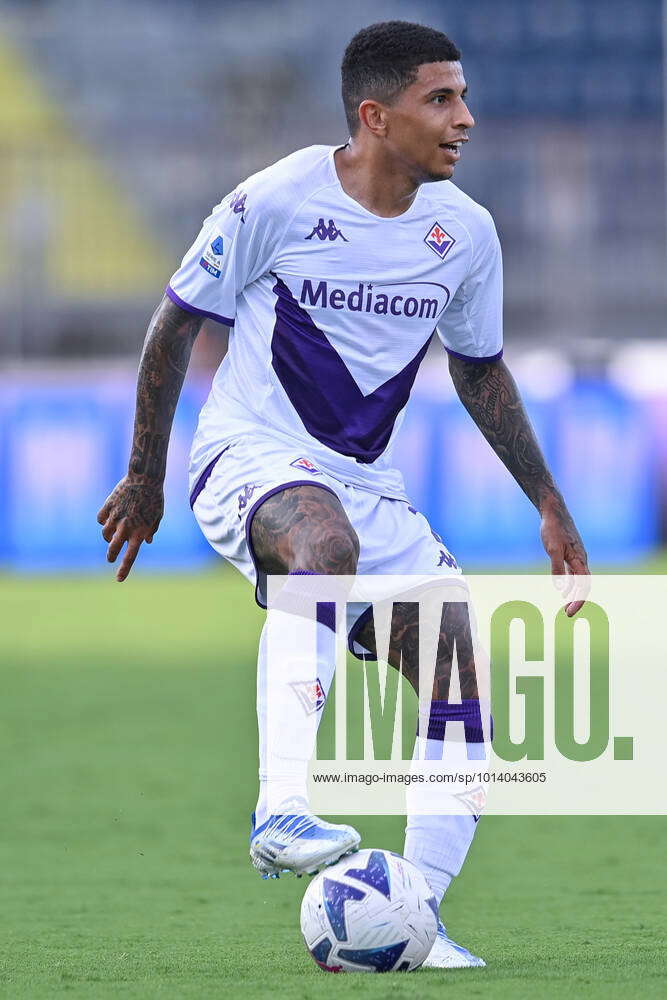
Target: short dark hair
(383,59)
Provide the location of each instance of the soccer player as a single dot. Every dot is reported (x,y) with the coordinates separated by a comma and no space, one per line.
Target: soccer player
(335,267)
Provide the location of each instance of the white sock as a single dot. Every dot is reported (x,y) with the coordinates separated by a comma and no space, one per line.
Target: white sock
(436,844)
(298,697)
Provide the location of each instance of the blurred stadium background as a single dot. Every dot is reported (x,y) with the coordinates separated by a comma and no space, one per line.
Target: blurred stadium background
(121,124)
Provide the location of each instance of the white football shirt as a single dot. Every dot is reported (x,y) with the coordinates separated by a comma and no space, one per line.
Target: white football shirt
(332,309)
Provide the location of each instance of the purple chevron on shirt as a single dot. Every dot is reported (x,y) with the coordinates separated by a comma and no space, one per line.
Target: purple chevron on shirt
(324,393)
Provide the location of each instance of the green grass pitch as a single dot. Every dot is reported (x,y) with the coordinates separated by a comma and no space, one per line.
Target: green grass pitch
(128,749)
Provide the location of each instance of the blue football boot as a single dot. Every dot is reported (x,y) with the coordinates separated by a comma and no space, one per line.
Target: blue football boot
(446,954)
(299,842)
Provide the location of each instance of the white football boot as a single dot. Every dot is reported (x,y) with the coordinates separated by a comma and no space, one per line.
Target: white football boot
(446,954)
(299,842)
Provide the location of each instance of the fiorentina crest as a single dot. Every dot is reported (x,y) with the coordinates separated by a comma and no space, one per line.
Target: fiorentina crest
(304,463)
(475,800)
(439,241)
(310,694)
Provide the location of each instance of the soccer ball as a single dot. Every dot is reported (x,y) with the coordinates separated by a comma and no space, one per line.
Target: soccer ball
(371,912)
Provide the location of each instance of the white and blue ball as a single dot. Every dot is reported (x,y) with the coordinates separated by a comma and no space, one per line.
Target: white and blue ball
(371,912)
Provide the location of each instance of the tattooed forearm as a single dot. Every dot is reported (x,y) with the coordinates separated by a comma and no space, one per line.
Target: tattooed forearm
(492,399)
(162,368)
(490,396)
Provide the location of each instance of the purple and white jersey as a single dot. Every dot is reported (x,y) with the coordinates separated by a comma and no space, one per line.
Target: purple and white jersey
(332,310)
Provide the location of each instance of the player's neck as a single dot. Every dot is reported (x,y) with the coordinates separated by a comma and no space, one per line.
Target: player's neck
(380,186)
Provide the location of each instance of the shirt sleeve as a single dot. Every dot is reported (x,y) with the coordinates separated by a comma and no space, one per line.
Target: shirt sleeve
(472,326)
(236,245)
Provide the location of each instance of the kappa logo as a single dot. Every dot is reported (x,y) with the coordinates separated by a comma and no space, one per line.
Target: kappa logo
(447,559)
(330,232)
(245,497)
(439,241)
(305,464)
(237,204)
(310,694)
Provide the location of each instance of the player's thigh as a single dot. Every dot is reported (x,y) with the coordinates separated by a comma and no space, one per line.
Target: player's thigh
(304,527)
(254,514)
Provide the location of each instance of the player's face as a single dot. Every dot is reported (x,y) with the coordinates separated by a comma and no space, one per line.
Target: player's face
(428,123)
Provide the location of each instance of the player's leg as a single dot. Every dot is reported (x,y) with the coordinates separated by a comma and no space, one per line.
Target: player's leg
(437,843)
(301,532)
(256,516)
(304,528)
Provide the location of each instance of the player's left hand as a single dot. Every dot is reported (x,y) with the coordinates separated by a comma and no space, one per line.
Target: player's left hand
(565,548)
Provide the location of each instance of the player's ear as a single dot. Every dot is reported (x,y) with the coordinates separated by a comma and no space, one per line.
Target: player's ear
(373,116)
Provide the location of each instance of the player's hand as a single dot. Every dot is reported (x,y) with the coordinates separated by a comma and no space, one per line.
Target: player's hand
(565,548)
(132,514)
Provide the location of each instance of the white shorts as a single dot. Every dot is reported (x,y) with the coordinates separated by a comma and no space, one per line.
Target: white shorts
(394,538)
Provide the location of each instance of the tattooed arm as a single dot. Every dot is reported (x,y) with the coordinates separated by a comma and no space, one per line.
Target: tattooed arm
(490,395)
(133,511)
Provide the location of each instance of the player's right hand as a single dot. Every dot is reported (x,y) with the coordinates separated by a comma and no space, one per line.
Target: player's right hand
(132,514)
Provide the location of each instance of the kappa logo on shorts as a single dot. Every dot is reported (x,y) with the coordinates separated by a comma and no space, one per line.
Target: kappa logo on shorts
(305,464)
(310,694)
(245,497)
(439,241)
(447,560)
